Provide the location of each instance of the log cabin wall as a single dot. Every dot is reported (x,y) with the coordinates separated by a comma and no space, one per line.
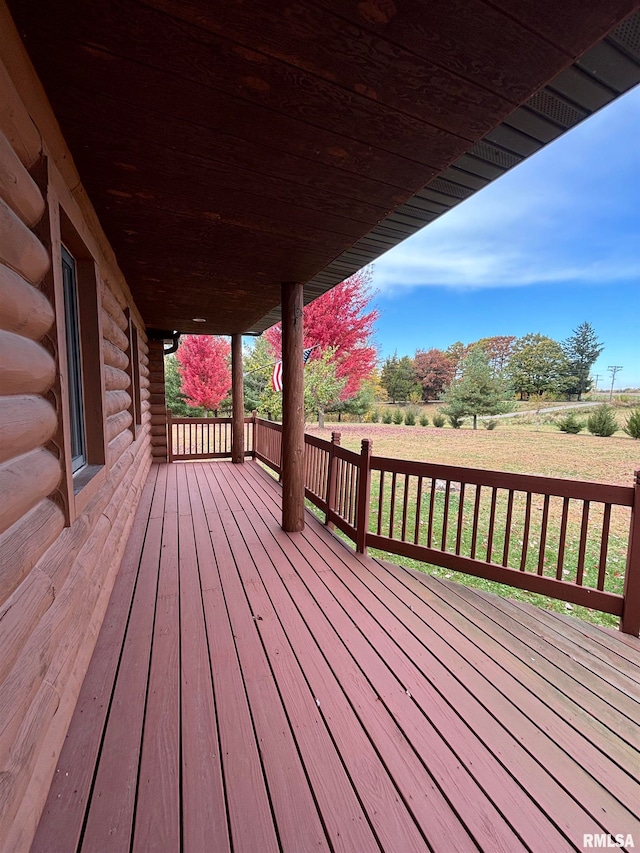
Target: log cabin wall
(62,533)
(158,402)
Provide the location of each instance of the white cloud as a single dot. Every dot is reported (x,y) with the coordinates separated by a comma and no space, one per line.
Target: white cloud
(568,214)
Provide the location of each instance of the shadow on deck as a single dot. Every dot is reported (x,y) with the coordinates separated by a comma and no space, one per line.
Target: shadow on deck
(257,691)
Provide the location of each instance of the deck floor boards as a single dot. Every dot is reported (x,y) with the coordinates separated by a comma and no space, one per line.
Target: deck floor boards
(253,690)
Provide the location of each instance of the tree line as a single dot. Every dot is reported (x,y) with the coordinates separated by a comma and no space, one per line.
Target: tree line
(343,372)
(530,366)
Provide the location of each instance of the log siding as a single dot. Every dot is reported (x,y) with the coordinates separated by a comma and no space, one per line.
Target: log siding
(61,537)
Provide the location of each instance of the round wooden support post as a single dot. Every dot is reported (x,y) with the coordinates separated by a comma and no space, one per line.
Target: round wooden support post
(237,401)
(292,408)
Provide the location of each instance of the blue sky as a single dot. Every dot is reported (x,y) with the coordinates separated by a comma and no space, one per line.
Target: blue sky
(552,243)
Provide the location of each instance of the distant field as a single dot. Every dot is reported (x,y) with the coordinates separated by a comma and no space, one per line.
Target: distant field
(526,448)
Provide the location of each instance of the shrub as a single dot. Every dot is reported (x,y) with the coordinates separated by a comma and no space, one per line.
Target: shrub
(387,417)
(455,420)
(569,423)
(632,427)
(492,423)
(375,416)
(410,417)
(398,417)
(424,420)
(602,421)
(439,420)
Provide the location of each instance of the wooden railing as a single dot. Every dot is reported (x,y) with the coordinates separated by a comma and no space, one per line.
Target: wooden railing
(204,438)
(546,535)
(267,444)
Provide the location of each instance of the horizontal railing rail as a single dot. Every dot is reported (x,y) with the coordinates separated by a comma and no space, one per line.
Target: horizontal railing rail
(547,535)
(542,534)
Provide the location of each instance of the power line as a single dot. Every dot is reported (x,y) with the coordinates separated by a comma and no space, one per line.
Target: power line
(613,369)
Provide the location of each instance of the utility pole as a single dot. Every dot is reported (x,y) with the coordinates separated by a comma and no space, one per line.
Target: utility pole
(613,369)
(596,379)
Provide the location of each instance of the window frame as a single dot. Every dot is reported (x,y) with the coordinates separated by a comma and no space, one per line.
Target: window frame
(133,371)
(83,477)
(77,416)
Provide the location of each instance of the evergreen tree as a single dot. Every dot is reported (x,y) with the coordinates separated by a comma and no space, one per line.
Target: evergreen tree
(477,391)
(582,349)
(258,369)
(398,378)
(538,366)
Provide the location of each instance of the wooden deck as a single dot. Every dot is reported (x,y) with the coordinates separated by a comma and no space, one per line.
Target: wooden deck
(256,691)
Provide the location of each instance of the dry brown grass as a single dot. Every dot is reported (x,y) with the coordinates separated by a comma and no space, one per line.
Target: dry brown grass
(550,454)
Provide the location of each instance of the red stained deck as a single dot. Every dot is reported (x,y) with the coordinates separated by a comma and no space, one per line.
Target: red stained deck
(253,690)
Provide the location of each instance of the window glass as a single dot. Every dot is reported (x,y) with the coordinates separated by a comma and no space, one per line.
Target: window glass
(74,362)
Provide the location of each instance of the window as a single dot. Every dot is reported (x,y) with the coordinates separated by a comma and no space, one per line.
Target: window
(78,317)
(134,373)
(74,362)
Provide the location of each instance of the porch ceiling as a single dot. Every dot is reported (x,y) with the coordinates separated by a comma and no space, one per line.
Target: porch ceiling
(229,147)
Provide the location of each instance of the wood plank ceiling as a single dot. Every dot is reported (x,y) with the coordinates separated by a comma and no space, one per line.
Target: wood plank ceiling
(230,146)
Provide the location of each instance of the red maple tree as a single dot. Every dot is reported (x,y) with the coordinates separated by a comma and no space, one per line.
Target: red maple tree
(435,371)
(203,365)
(339,319)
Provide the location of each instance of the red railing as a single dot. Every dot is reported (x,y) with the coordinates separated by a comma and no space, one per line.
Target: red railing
(546,535)
(204,438)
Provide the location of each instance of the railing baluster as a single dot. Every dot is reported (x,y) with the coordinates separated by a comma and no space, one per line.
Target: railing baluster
(405,507)
(604,545)
(507,529)
(583,542)
(562,538)
(353,485)
(418,510)
(460,518)
(445,515)
(316,470)
(392,508)
(476,518)
(347,492)
(492,522)
(380,503)
(432,505)
(543,535)
(525,533)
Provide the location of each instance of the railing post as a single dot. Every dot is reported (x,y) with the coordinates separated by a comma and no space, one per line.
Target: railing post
(254,427)
(169,435)
(630,621)
(363,496)
(332,478)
